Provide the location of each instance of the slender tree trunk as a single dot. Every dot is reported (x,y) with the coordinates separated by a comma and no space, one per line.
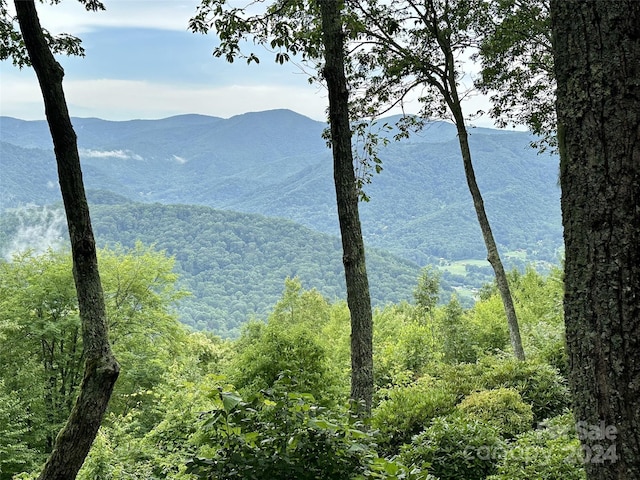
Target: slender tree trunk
(597,62)
(101,368)
(447,83)
(347,198)
(492,249)
(493,255)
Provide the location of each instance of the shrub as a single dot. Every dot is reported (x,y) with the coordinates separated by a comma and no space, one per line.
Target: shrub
(548,453)
(460,379)
(407,410)
(539,384)
(546,343)
(276,349)
(285,435)
(455,448)
(503,408)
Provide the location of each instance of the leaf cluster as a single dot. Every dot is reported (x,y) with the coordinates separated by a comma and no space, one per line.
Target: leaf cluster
(517,67)
(285,27)
(280,434)
(12,45)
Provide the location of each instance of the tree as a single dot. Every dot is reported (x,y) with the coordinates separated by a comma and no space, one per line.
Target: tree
(42,355)
(347,198)
(427,292)
(43,351)
(418,45)
(517,67)
(315,31)
(101,368)
(597,66)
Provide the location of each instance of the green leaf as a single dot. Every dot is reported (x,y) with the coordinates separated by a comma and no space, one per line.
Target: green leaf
(230,400)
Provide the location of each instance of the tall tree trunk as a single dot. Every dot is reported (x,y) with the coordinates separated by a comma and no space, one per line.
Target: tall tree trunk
(597,63)
(492,249)
(493,256)
(101,368)
(347,198)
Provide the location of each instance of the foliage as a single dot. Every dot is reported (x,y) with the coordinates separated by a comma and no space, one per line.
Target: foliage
(41,358)
(488,323)
(517,67)
(540,305)
(290,342)
(12,45)
(538,300)
(153,427)
(547,453)
(278,434)
(405,411)
(503,408)
(15,454)
(539,384)
(455,333)
(140,294)
(131,450)
(403,344)
(42,355)
(427,292)
(455,447)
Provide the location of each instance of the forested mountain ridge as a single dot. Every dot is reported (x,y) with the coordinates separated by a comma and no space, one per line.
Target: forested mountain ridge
(275,163)
(234,264)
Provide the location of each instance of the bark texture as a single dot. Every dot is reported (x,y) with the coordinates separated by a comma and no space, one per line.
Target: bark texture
(101,368)
(597,62)
(358,297)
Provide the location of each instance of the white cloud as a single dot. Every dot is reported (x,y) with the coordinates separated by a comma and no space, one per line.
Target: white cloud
(111,99)
(121,154)
(180,160)
(128,99)
(71,17)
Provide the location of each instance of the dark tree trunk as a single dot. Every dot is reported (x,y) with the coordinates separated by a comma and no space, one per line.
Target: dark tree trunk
(493,256)
(492,249)
(597,62)
(101,368)
(347,198)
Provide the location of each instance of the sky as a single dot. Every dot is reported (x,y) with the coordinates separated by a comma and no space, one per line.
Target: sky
(142,63)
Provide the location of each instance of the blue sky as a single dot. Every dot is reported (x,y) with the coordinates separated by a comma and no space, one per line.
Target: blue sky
(142,62)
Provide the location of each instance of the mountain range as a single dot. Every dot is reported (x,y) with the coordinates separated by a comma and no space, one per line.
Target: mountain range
(276,163)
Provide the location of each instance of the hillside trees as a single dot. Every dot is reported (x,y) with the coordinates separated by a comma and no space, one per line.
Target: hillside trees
(597,67)
(101,368)
(291,27)
(41,361)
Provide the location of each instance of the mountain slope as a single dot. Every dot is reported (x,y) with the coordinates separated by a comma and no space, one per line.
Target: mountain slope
(233,263)
(275,163)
